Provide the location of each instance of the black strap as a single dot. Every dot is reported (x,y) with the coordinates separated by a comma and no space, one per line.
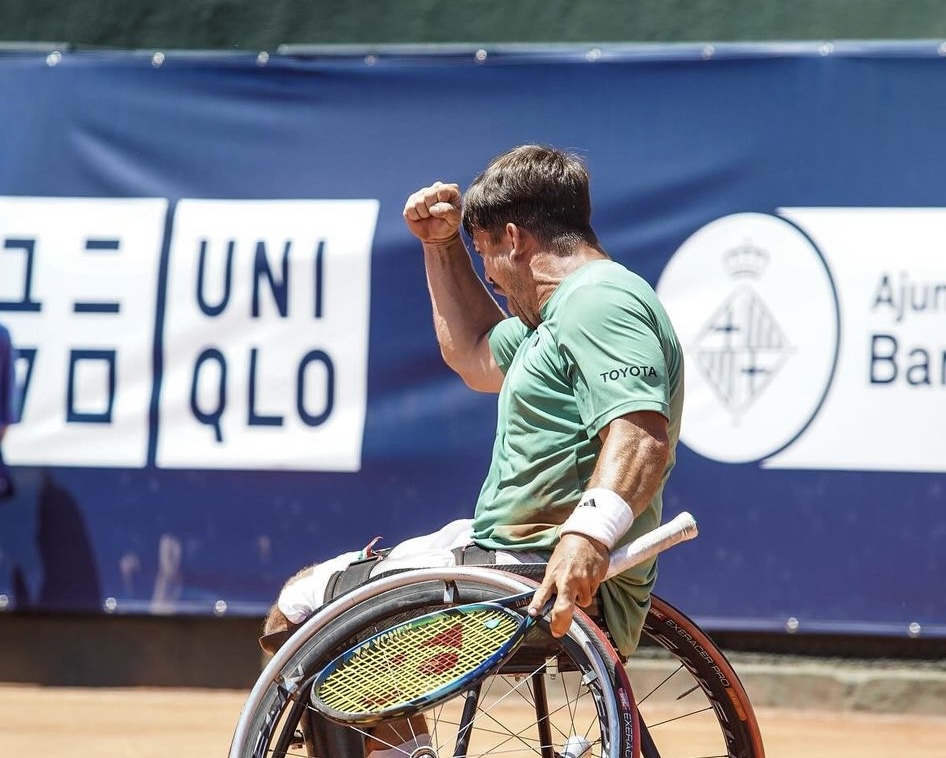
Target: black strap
(474,555)
(347,579)
(359,572)
(469,555)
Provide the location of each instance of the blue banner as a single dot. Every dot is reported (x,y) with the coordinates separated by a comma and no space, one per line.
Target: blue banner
(227,365)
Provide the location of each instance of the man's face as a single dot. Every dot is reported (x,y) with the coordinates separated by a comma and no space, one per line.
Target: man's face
(504,276)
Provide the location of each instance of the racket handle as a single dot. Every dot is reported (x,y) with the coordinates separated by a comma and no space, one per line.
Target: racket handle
(679,529)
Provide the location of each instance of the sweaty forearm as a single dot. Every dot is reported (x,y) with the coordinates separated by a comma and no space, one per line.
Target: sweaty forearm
(463,311)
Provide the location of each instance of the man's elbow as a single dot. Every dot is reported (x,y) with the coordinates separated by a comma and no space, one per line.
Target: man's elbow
(658,445)
(477,373)
(653,441)
(479,380)
(660,453)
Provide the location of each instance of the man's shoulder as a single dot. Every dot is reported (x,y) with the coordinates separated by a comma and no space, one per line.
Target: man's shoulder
(600,284)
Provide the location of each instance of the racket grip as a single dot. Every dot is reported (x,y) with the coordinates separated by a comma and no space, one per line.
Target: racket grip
(679,529)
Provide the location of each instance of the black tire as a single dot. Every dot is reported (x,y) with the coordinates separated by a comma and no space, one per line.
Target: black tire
(579,677)
(690,701)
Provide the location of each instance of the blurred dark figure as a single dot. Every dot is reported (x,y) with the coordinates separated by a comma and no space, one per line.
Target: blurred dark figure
(47,560)
(70,574)
(7,406)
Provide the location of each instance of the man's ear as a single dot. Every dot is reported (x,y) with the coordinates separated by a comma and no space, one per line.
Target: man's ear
(522,241)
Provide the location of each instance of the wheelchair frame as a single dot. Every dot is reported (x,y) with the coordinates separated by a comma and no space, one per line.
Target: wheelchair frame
(276,720)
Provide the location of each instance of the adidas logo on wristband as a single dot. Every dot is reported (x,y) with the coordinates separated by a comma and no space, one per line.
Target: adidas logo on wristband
(602,515)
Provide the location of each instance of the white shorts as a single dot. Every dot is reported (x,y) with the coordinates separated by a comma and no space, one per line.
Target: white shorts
(299,599)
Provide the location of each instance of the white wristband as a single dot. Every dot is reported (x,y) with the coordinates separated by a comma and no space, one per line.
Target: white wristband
(602,515)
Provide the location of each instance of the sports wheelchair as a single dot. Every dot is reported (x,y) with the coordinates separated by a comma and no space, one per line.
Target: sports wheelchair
(568,697)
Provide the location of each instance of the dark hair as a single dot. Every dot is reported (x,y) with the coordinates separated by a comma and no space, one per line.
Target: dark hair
(538,188)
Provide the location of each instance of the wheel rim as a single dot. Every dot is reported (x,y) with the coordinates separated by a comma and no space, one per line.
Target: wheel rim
(579,707)
(687,693)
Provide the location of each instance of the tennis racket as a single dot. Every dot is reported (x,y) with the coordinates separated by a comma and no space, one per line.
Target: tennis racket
(426,660)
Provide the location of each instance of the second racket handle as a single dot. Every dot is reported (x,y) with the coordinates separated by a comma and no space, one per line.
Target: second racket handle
(679,529)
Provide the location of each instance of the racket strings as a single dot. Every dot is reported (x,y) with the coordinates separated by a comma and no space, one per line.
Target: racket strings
(413,660)
(512,738)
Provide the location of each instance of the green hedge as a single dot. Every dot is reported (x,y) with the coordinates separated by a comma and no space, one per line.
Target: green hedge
(265,24)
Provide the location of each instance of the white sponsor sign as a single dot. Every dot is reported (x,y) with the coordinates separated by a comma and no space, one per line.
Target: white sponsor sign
(266,334)
(815,338)
(245,347)
(78,284)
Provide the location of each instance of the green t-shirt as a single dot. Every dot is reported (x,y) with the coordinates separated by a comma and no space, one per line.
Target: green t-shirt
(605,348)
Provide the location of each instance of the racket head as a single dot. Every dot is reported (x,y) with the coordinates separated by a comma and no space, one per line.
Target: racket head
(418,663)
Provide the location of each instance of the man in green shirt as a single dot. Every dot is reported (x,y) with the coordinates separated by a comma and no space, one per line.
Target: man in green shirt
(589,374)
(588,370)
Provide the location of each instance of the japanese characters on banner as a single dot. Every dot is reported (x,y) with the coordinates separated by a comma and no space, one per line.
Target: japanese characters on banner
(79,289)
(262,331)
(227,367)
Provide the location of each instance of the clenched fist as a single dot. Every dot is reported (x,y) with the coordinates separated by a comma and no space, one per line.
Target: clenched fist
(433,213)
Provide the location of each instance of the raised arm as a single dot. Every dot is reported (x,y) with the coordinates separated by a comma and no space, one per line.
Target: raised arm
(463,309)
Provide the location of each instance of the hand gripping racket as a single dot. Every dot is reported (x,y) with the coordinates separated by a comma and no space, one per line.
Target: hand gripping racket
(426,660)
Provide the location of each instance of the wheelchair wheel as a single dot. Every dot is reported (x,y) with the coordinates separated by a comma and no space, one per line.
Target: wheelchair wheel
(555,697)
(689,699)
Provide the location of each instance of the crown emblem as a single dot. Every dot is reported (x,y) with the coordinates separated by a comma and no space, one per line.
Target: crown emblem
(746,260)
